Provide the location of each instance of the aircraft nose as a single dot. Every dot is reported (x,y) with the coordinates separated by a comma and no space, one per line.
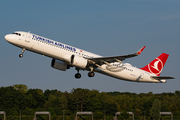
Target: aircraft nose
(8,37)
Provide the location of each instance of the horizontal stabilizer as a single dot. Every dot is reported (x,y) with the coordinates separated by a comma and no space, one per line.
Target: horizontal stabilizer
(162,77)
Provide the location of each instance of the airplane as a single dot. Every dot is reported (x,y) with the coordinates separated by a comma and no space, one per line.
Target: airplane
(65,56)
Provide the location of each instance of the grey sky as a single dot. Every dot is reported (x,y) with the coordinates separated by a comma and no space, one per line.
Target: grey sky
(107,28)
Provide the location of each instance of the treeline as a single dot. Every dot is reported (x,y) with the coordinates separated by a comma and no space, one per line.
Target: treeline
(19,99)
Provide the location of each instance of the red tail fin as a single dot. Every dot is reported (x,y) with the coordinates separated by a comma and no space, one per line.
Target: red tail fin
(156,66)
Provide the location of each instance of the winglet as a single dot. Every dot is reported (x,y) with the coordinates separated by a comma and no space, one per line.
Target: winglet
(140,51)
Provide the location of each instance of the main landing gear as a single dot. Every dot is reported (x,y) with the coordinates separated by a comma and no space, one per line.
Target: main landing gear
(91,74)
(22,52)
(78,75)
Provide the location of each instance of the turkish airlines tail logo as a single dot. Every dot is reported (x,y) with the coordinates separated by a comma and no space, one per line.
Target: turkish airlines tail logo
(156,66)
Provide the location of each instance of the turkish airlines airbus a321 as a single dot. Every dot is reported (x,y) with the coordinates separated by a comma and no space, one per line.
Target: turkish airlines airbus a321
(65,56)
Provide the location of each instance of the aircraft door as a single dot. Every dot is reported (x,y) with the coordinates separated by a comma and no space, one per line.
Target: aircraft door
(28,36)
(28,40)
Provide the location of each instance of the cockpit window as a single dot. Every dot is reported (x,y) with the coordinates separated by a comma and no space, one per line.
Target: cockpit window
(17,34)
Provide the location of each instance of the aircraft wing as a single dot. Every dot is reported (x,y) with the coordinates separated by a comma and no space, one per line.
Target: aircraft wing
(107,60)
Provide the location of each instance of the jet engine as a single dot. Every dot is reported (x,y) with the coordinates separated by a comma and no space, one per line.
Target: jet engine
(57,64)
(76,61)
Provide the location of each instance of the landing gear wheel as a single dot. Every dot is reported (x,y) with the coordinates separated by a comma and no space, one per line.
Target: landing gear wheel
(91,74)
(78,75)
(20,55)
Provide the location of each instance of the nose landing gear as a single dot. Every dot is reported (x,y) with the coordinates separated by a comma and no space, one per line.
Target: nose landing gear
(20,55)
(22,52)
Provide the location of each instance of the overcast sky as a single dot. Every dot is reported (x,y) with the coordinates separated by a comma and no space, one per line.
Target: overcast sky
(104,27)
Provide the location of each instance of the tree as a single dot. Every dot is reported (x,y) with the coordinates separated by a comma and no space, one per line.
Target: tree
(21,87)
(174,109)
(148,104)
(123,116)
(98,115)
(10,100)
(56,103)
(34,98)
(81,98)
(108,103)
(94,105)
(177,92)
(138,112)
(155,110)
(48,92)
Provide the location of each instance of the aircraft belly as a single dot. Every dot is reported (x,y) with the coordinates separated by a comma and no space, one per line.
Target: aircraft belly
(147,78)
(119,73)
(123,74)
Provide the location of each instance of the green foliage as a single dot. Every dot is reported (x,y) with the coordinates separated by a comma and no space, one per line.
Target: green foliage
(21,87)
(137,112)
(17,98)
(98,115)
(34,98)
(123,116)
(11,100)
(80,99)
(156,109)
(56,103)
(28,111)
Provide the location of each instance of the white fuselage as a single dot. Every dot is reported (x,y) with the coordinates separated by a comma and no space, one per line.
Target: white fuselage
(57,50)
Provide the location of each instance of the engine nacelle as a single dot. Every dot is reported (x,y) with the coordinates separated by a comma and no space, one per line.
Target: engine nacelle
(57,64)
(76,61)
